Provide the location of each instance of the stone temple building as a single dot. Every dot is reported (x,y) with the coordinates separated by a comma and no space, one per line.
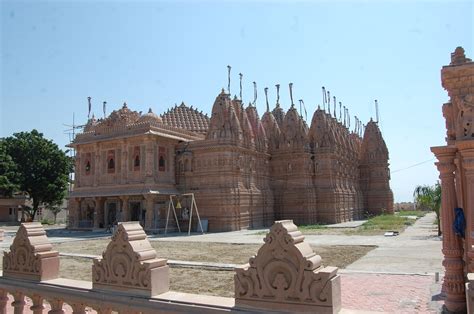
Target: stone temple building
(245,170)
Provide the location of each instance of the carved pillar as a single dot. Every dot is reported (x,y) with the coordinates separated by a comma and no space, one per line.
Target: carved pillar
(37,306)
(453,283)
(125,216)
(77,169)
(78,308)
(149,162)
(106,310)
(3,301)
(124,168)
(99,212)
(19,303)
(77,215)
(466,149)
(149,202)
(97,165)
(56,306)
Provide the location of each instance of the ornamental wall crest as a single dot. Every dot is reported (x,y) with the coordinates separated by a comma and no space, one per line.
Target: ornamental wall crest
(287,275)
(31,255)
(130,264)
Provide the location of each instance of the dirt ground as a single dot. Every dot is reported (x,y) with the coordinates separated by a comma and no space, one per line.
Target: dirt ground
(192,280)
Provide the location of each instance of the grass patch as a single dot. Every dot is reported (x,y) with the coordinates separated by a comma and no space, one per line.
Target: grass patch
(417,213)
(383,223)
(312,227)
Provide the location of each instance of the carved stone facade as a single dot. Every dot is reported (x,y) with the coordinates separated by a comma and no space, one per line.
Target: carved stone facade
(245,171)
(31,255)
(456,167)
(286,275)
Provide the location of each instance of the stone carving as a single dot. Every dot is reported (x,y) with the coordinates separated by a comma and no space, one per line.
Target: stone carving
(465,119)
(31,255)
(129,263)
(459,57)
(287,275)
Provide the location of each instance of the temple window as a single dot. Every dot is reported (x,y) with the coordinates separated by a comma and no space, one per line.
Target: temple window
(136,158)
(161,159)
(87,166)
(111,161)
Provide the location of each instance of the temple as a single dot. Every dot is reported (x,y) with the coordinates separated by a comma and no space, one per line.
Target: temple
(245,171)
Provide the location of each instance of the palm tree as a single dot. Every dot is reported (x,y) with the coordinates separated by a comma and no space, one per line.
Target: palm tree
(430,197)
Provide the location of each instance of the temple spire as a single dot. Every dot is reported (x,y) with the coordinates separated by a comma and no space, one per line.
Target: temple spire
(334,98)
(228,78)
(291,94)
(103,108)
(266,98)
(241,75)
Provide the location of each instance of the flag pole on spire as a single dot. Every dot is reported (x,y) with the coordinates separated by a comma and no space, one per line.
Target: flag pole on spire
(291,94)
(240,74)
(278,95)
(266,98)
(90,107)
(228,78)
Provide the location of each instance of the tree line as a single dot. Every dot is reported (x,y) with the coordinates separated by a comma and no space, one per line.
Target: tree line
(34,165)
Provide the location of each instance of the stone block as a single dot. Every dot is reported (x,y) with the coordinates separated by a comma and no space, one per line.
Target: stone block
(31,255)
(130,264)
(287,276)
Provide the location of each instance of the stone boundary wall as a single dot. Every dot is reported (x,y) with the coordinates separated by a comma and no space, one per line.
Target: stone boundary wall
(285,275)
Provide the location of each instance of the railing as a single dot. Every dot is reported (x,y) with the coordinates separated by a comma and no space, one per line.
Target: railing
(284,276)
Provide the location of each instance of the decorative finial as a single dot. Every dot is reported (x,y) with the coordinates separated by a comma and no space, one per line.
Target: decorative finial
(458,56)
(103,108)
(149,110)
(291,95)
(254,93)
(90,107)
(124,105)
(228,78)
(324,98)
(241,75)
(266,98)
(278,95)
(334,98)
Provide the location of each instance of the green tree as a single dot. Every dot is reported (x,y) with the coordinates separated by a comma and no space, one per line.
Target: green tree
(7,173)
(55,210)
(430,197)
(42,168)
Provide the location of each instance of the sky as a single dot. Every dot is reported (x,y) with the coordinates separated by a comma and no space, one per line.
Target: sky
(54,54)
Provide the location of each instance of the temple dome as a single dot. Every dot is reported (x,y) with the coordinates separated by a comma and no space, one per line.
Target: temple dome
(121,117)
(187,118)
(150,117)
